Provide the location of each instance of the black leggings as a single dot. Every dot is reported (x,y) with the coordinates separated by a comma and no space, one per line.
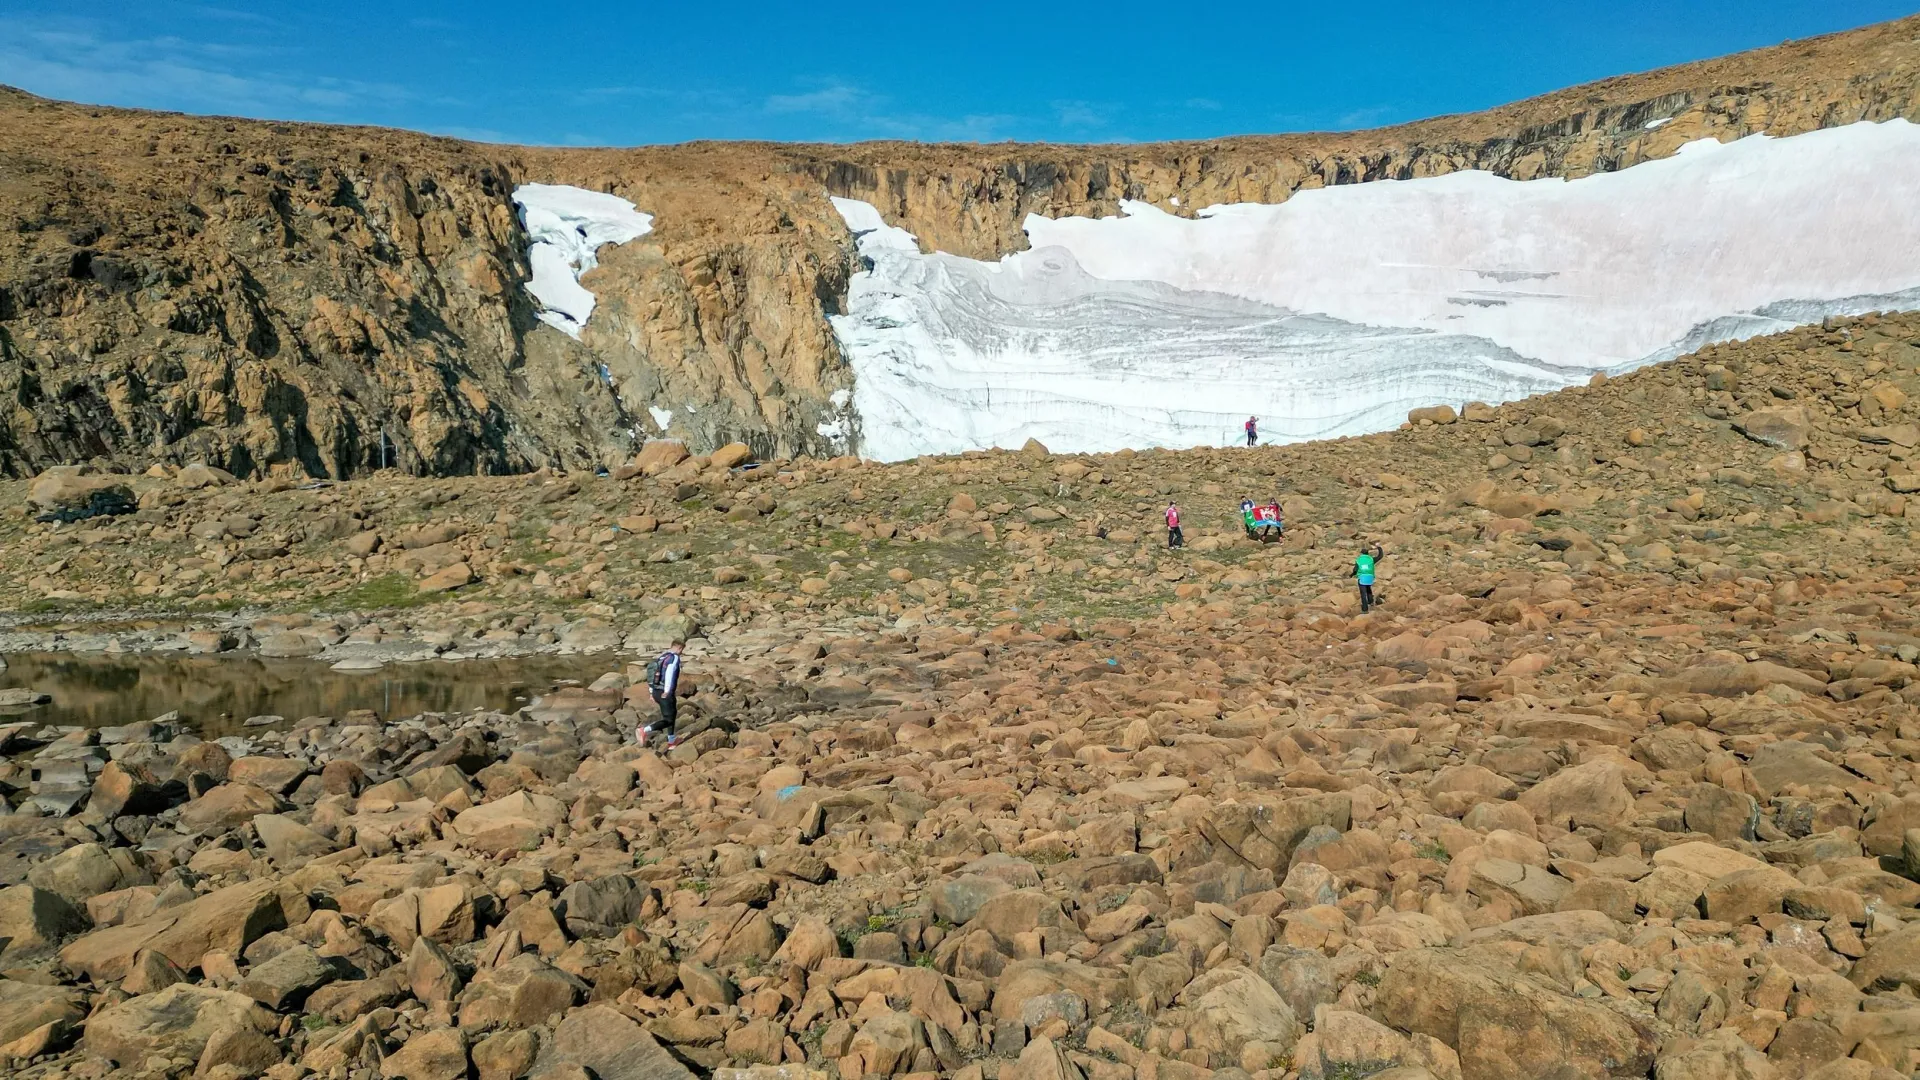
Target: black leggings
(1366,599)
(669,713)
(1174,537)
(1251,437)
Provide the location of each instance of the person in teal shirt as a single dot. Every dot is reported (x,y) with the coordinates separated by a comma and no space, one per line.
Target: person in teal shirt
(1362,571)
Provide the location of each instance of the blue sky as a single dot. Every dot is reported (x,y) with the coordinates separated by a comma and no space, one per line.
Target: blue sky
(604,73)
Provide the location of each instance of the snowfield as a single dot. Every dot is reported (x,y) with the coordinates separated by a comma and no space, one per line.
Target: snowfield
(1337,311)
(565,228)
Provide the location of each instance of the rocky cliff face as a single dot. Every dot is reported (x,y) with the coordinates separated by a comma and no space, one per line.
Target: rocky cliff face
(322,300)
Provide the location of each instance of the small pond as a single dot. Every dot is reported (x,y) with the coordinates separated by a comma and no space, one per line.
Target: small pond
(216,694)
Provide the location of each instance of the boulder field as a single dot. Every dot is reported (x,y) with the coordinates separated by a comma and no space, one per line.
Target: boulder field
(978,780)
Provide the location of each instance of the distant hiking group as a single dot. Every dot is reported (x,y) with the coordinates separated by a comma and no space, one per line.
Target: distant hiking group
(1267,522)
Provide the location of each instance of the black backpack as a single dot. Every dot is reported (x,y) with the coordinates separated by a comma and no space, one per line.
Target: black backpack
(657,676)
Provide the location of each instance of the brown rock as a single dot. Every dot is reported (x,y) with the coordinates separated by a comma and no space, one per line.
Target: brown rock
(523,991)
(1505,1025)
(1745,895)
(228,806)
(35,1019)
(226,919)
(447,579)
(440,1054)
(1733,680)
(1722,814)
(1786,427)
(506,1055)
(602,1039)
(175,1022)
(33,920)
(1264,834)
(1590,794)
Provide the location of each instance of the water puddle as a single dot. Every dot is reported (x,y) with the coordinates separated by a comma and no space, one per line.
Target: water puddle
(217,694)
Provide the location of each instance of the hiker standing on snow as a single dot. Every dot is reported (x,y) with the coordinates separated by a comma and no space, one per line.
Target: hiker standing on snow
(663,683)
(1174,539)
(1253,430)
(1362,571)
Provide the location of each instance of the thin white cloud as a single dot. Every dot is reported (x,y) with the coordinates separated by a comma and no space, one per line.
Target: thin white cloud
(78,61)
(837,99)
(848,112)
(1079,114)
(1370,116)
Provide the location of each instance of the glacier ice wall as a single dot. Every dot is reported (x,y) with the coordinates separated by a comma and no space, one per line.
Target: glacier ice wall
(565,228)
(1336,311)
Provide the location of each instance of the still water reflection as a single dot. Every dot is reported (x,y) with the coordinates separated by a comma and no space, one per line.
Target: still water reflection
(216,694)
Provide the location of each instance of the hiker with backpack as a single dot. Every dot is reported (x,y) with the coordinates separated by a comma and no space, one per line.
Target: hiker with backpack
(1253,430)
(1174,537)
(663,684)
(1362,571)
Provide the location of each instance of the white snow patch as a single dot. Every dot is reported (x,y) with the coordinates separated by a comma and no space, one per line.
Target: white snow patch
(1175,200)
(832,429)
(840,398)
(1652,125)
(565,227)
(661,417)
(1336,311)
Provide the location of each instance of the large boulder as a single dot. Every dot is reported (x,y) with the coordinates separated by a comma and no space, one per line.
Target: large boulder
(1591,794)
(1023,980)
(120,789)
(514,822)
(1233,1006)
(732,455)
(35,1018)
(1264,834)
(659,631)
(87,870)
(1893,961)
(287,977)
(599,908)
(1733,680)
(1349,1044)
(176,1022)
(959,899)
(524,991)
(288,842)
(1785,427)
(1507,1025)
(74,488)
(33,920)
(885,1044)
(228,919)
(226,807)
(438,1054)
(660,455)
(610,1045)
(1722,1055)
(201,475)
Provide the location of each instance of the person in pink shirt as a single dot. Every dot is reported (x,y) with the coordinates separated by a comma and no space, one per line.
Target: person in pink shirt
(1174,539)
(1253,430)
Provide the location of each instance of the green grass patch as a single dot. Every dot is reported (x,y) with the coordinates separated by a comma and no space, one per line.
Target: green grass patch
(383,592)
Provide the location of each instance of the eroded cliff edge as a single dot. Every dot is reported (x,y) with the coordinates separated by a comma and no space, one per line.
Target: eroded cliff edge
(323,300)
